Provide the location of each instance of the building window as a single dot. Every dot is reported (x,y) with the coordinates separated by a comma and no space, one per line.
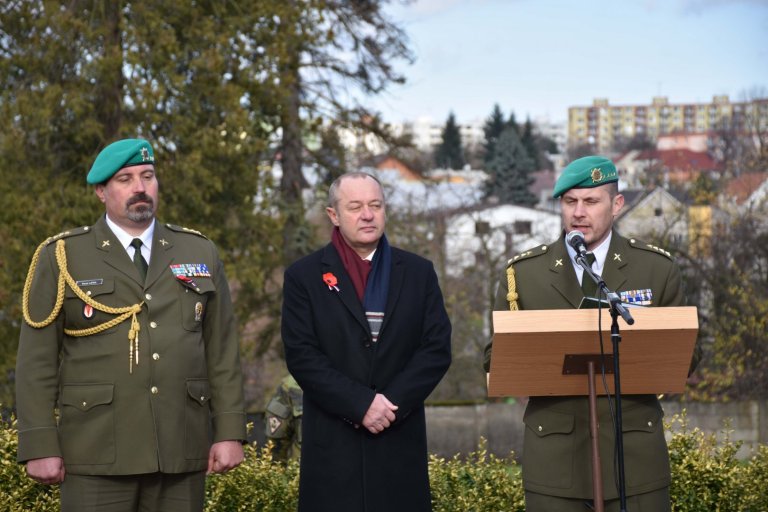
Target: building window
(657,212)
(482,228)
(522,227)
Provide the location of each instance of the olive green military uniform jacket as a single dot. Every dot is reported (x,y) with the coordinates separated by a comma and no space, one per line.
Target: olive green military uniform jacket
(158,414)
(557,447)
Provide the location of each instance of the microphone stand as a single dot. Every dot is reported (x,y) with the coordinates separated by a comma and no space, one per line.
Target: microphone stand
(617,308)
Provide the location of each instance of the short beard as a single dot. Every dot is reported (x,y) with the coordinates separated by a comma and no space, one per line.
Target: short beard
(143,212)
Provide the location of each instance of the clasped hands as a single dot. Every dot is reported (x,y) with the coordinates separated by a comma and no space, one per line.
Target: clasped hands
(380,414)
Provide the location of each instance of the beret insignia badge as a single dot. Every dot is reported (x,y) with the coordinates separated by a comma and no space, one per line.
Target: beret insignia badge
(597,175)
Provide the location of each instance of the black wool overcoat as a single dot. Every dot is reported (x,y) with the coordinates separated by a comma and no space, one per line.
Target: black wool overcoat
(330,352)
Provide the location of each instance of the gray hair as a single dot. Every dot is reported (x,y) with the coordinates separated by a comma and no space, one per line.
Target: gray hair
(333,190)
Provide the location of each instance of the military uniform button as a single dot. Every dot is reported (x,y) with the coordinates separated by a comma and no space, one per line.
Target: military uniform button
(148,296)
(85,403)
(154,390)
(650,423)
(541,428)
(202,398)
(88,292)
(155,356)
(153,325)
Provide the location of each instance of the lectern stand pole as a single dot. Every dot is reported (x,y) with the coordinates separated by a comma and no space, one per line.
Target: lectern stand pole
(597,475)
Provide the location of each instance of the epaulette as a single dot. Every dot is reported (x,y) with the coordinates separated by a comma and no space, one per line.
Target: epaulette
(182,229)
(637,244)
(66,234)
(537,251)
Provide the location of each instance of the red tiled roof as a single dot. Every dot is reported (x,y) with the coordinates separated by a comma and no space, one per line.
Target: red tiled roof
(741,187)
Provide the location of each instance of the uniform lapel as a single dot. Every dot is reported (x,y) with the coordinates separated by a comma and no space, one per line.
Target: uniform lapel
(162,255)
(331,262)
(113,252)
(615,261)
(563,275)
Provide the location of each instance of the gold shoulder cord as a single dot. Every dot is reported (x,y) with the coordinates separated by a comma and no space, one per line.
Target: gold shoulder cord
(512,287)
(64,277)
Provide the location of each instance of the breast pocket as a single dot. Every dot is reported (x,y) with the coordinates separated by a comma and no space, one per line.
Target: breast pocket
(80,315)
(193,301)
(87,423)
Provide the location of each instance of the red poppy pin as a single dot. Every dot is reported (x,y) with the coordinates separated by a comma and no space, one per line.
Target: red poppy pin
(331,281)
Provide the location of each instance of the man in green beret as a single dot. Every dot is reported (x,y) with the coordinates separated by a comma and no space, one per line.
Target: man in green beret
(557,447)
(128,380)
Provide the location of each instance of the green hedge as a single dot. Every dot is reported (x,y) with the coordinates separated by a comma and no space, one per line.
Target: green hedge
(706,477)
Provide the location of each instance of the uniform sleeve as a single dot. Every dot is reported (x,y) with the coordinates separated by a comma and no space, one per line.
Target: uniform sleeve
(222,351)
(37,364)
(673,295)
(500,304)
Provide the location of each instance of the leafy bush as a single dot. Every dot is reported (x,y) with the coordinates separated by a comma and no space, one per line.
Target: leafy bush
(478,483)
(706,477)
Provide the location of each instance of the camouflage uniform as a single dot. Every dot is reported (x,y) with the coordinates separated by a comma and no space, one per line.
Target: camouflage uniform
(283,419)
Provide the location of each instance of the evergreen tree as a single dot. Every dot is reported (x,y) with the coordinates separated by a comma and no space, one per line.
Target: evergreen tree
(449,154)
(509,171)
(492,129)
(530,143)
(512,123)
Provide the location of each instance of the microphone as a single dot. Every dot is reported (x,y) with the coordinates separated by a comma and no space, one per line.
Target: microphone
(576,240)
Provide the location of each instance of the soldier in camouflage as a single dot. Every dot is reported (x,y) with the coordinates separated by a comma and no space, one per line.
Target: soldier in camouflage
(283,419)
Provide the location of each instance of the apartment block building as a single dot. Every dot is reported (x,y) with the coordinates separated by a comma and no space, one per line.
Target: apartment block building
(603,125)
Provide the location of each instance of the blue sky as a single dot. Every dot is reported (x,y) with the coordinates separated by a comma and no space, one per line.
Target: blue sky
(538,57)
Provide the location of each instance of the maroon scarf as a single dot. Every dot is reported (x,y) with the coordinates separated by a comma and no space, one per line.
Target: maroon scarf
(357,268)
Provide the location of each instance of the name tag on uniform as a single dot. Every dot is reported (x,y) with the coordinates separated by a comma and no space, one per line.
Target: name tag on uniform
(90,282)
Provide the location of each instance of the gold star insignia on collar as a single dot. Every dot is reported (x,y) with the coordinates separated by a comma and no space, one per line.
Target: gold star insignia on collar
(163,242)
(616,256)
(105,243)
(559,263)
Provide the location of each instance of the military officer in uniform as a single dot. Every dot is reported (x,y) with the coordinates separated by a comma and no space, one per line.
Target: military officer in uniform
(283,419)
(128,380)
(556,453)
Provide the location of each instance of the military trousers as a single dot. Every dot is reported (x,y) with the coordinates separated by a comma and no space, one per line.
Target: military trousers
(151,492)
(654,501)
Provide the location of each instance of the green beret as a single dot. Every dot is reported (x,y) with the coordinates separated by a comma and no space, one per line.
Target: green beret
(123,153)
(586,172)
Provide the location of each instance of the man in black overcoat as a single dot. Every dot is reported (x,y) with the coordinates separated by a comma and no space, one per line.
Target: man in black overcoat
(367,338)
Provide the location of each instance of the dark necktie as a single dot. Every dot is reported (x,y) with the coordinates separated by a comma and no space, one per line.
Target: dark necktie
(588,286)
(138,259)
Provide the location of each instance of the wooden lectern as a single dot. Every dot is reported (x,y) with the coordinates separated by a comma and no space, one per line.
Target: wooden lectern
(557,352)
(530,349)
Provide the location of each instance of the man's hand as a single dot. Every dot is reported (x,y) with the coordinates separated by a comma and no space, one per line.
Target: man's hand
(224,456)
(380,415)
(49,470)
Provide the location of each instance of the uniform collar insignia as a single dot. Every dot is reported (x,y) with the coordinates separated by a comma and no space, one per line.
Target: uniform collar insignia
(559,263)
(163,242)
(616,256)
(105,243)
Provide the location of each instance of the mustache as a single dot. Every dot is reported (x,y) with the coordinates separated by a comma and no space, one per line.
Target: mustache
(138,198)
